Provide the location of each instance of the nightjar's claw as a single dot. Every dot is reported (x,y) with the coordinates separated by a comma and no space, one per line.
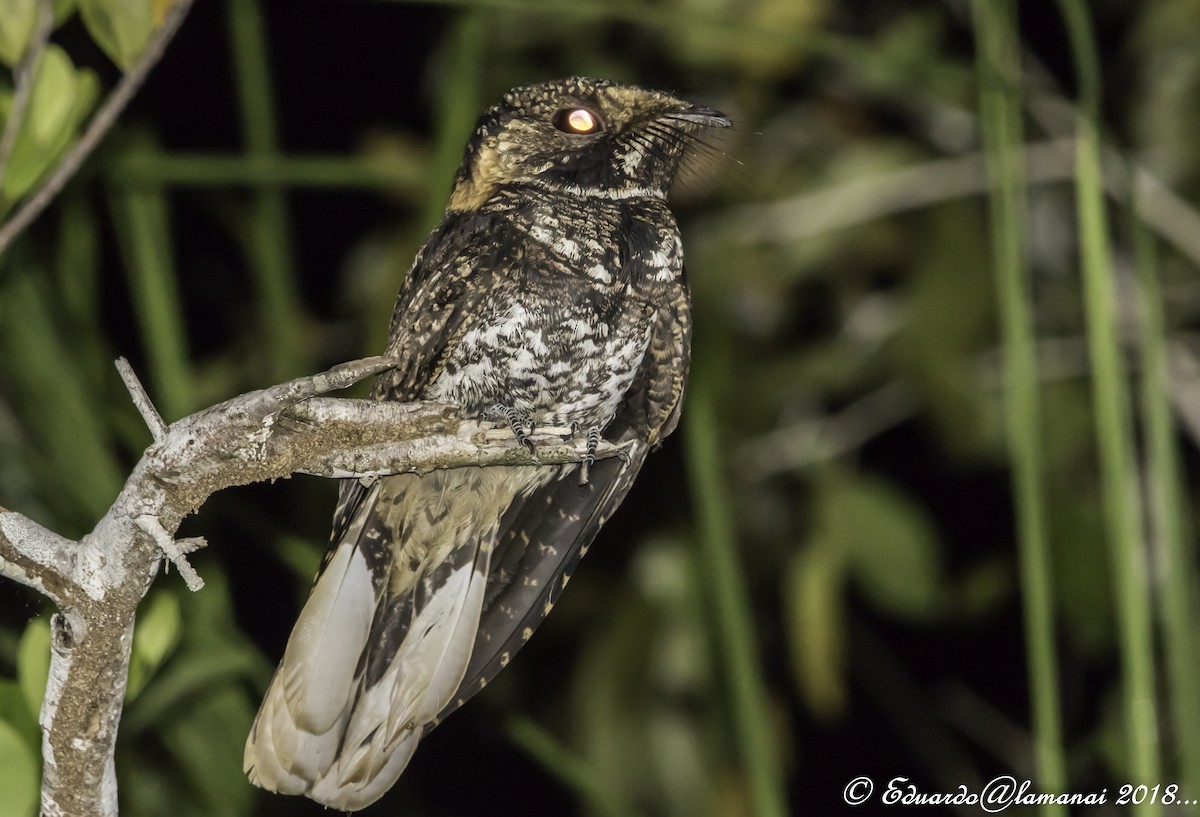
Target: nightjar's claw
(517,421)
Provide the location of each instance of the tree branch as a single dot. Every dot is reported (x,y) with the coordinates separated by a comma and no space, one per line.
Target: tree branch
(99,581)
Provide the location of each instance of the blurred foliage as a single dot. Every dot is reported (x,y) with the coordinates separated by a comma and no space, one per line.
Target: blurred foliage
(61,99)
(821,577)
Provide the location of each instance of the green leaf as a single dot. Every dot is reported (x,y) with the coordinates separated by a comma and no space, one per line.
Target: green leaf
(634,669)
(15,712)
(935,346)
(986,586)
(120,27)
(63,9)
(714,45)
(155,636)
(206,744)
(157,629)
(49,125)
(19,775)
(87,91)
(53,98)
(33,662)
(188,676)
(59,415)
(17,21)
(890,546)
(813,589)
(302,556)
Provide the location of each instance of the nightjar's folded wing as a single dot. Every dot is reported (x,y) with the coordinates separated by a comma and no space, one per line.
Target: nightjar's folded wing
(544,534)
(466,261)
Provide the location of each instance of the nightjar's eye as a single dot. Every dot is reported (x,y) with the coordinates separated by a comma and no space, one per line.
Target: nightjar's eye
(578,121)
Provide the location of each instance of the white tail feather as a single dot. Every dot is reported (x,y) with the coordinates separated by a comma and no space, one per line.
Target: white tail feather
(422,677)
(318,668)
(299,726)
(320,732)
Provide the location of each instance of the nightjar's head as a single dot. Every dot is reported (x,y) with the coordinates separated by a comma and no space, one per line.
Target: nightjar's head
(586,137)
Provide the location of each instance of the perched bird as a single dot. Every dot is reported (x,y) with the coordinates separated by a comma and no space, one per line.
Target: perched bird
(552,294)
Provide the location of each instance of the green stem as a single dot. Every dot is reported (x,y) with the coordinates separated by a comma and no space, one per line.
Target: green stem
(1167,507)
(460,98)
(145,241)
(270,231)
(137,167)
(998,68)
(568,767)
(68,434)
(725,585)
(863,56)
(1114,428)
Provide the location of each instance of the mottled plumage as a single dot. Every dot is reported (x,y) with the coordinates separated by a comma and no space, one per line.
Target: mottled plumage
(551,294)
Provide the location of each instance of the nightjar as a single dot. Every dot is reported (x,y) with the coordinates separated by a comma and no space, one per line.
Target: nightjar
(552,294)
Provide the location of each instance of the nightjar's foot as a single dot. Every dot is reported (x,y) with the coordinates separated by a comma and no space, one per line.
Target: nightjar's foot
(516,420)
(589,459)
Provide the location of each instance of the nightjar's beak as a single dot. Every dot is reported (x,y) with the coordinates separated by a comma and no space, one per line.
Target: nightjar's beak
(699,115)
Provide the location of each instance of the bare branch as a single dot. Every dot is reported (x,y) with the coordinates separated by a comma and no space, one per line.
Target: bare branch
(861,201)
(99,581)
(141,400)
(898,191)
(36,557)
(172,550)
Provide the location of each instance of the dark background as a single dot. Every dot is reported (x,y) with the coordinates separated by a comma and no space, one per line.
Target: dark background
(882,576)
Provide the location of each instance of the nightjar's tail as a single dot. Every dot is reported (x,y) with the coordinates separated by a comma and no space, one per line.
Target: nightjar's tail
(432,584)
(386,636)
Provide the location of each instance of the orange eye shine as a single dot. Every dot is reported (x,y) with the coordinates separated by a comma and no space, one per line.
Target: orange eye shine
(581,120)
(577,120)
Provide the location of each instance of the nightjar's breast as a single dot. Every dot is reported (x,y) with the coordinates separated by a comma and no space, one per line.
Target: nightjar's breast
(562,339)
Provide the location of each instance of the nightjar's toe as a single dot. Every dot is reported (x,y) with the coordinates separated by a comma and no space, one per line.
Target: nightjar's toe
(522,424)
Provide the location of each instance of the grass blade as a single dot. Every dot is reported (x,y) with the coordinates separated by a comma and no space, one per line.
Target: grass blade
(401,173)
(998,63)
(725,586)
(1168,517)
(144,236)
(1114,429)
(567,767)
(270,233)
